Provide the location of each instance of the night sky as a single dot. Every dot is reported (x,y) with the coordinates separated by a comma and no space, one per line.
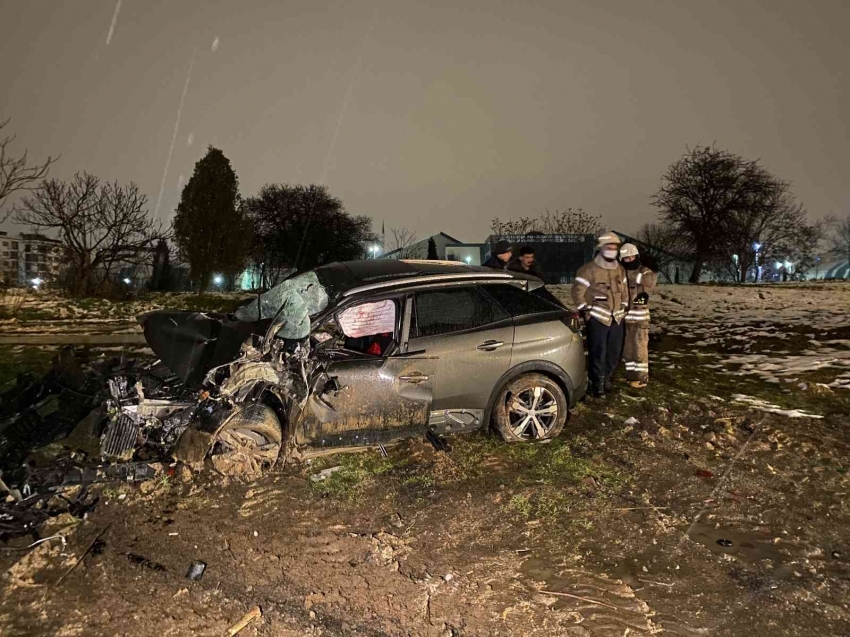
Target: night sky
(438,115)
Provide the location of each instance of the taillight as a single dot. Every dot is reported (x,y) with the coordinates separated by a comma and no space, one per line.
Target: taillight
(572,321)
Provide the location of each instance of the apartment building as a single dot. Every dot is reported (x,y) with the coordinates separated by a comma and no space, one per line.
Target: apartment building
(25,258)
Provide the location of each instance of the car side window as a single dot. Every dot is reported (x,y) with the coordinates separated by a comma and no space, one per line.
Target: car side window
(452,310)
(519,302)
(369,327)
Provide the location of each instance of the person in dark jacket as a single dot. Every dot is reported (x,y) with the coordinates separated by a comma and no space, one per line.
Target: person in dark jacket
(500,255)
(526,263)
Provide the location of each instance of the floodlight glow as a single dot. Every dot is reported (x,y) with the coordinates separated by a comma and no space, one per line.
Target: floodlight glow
(37,281)
(127,281)
(218,279)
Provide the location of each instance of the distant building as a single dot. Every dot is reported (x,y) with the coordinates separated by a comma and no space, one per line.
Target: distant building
(28,257)
(469,253)
(419,249)
(560,255)
(829,268)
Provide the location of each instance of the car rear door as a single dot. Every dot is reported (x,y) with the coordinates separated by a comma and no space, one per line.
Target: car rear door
(471,336)
(545,331)
(358,398)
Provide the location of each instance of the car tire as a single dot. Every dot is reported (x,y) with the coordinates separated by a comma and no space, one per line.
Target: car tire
(530,407)
(249,442)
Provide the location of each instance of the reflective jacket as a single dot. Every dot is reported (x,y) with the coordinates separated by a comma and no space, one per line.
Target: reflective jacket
(602,292)
(641,280)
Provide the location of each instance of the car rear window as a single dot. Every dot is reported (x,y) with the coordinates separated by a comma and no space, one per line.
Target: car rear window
(521,303)
(452,310)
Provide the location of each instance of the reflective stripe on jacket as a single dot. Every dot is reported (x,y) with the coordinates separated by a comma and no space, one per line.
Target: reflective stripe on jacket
(602,292)
(641,280)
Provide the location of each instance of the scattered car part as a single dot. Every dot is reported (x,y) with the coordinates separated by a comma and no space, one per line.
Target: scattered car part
(196,570)
(438,442)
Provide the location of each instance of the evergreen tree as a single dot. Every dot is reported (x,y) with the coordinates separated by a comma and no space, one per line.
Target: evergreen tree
(432,249)
(211,231)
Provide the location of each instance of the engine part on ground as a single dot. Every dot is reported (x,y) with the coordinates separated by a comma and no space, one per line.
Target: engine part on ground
(120,436)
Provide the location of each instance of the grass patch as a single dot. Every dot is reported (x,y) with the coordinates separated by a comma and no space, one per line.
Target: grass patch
(357,471)
(32,314)
(564,461)
(15,360)
(694,382)
(545,504)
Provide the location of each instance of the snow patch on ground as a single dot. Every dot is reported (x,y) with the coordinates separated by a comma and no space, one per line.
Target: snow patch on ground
(763,405)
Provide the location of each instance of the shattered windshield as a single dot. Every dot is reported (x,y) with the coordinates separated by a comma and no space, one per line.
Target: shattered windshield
(296,300)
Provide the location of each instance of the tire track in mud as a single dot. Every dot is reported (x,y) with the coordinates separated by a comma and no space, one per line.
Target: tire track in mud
(601,606)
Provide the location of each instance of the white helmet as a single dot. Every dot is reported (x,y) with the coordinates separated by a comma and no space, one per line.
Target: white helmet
(608,237)
(629,250)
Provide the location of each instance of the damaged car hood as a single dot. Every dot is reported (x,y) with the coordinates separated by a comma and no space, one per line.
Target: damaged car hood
(191,344)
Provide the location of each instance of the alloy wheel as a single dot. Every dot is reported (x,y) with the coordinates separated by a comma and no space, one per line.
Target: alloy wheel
(532,412)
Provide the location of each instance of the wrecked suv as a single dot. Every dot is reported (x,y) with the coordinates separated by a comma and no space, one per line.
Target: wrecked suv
(350,355)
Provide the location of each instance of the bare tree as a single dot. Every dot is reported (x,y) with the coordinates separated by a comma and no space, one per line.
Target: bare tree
(768,227)
(102,226)
(701,194)
(522,225)
(664,245)
(803,248)
(839,237)
(402,244)
(569,221)
(16,173)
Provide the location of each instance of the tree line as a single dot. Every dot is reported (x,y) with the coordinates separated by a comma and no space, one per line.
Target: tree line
(716,210)
(732,216)
(106,227)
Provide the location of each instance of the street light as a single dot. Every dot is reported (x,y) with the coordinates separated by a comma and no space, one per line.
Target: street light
(757,247)
(468,260)
(127,281)
(36,282)
(218,279)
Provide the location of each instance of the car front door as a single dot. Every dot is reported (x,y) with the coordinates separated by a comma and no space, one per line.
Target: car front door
(363,389)
(471,336)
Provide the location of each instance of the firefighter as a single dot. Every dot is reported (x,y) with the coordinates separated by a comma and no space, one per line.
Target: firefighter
(636,349)
(600,292)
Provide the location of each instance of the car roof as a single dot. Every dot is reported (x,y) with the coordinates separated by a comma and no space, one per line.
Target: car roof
(350,277)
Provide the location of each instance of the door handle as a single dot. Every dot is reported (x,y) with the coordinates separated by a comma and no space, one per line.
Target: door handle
(414,378)
(489,346)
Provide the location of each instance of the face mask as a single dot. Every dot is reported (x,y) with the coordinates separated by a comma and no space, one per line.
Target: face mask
(631,265)
(609,255)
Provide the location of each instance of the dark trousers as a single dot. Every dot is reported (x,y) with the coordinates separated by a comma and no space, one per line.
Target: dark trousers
(604,348)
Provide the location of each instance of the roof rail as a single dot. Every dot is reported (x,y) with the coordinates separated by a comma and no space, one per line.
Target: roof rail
(431,278)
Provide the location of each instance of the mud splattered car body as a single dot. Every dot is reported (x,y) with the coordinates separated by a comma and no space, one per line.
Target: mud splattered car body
(355,354)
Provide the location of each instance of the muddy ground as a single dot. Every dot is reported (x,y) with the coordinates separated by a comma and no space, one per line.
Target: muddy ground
(680,509)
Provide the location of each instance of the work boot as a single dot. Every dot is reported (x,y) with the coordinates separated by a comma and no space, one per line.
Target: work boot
(609,386)
(597,392)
